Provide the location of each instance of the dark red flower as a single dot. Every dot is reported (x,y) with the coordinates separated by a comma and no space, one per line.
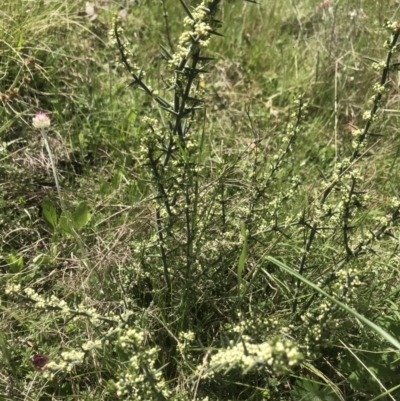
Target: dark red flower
(39,361)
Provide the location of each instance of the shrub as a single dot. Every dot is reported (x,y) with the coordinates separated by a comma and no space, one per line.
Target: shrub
(249,274)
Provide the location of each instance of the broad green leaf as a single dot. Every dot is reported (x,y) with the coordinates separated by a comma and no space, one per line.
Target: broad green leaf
(364,367)
(131,116)
(105,187)
(41,259)
(116,180)
(65,225)
(14,260)
(81,138)
(390,324)
(329,386)
(49,212)
(310,390)
(81,215)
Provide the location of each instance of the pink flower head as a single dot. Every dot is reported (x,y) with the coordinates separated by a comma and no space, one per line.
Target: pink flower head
(41,120)
(323,4)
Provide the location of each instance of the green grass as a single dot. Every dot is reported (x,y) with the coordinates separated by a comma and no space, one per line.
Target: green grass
(242,247)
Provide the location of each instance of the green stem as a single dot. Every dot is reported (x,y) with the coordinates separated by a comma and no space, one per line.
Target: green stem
(53,167)
(70,224)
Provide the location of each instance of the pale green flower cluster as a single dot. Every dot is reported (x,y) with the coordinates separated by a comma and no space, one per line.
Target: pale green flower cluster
(198,35)
(53,303)
(356,143)
(347,281)
(379,66)
(12,288)
(187,336)
(139,378)
(378,88)
(384,220)
(395,202)
(342,165)
(278,355)
(131,337)
(92,345)
(69,359)
(111,32)
(392,27)
(217,242)
(134,68)
(318,325)
(367,116)
(152,138)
